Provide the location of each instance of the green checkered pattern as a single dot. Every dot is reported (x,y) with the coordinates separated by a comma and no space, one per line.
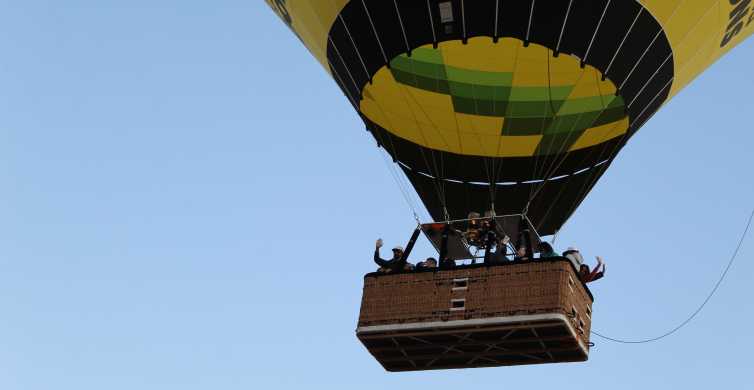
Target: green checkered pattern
(528,110)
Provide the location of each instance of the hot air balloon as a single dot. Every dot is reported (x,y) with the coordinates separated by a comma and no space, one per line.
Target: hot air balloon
(511,107)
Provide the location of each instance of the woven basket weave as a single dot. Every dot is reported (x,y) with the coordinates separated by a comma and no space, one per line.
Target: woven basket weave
(539,287)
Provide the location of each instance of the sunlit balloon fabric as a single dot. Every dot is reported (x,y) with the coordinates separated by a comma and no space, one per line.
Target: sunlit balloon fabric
(505,101)
(519,105)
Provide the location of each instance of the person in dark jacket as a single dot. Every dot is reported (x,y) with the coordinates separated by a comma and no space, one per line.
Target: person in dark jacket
(396,264)
(428,264)
(500,255)
(473,233)
(521,254)
(545,250)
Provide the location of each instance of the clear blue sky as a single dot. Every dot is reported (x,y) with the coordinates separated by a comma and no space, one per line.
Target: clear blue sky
(187,201)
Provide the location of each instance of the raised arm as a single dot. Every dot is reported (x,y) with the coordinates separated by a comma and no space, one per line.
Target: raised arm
(599,270)
(502,246)
(377,258)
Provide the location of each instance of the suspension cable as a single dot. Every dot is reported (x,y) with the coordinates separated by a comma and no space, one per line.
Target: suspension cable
(597,173)
(396,177)
(396,174)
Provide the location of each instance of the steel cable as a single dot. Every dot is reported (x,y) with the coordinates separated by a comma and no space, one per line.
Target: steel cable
(698,309)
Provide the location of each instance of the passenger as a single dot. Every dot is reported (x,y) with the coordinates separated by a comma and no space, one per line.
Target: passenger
(521,254)
(473,232)
(488,222)
(574,256)
(500,255)
(396,264)
(545,250)
(596,274)
(428,264)
(487,229)
(584,273)
(488,239)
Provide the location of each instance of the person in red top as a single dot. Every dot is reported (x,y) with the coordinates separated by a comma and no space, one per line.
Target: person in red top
(599,271)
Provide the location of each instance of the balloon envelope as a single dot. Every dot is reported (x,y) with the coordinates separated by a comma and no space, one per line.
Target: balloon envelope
(516,105)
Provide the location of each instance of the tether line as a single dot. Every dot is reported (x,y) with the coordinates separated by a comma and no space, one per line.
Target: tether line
(698,309)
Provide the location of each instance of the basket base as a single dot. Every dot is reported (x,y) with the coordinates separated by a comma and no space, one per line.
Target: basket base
(487,342)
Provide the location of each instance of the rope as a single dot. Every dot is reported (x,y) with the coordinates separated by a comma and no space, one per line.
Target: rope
(497,14)
(396,177)
(355,48)
(376,35)
(432,23)
(597,29)
(531,16)
(548,171)
(699,309)
(463,21)
(562,28)
(403,29)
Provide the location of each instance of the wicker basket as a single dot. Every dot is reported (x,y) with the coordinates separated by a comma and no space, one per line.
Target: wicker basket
(516,313)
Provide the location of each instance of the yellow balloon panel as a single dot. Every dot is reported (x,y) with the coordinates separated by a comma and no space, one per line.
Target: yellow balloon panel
(500,110)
